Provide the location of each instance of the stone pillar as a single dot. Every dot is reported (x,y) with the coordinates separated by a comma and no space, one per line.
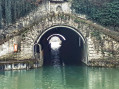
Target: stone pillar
(41,55)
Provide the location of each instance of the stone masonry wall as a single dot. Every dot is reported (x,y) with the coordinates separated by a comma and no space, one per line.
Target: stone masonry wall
(100,44)
(7,49)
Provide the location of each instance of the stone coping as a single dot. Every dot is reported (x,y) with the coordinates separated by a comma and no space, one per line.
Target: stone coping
(103,63)
(17,61)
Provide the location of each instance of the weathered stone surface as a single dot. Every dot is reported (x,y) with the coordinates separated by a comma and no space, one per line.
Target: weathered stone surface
(99,41)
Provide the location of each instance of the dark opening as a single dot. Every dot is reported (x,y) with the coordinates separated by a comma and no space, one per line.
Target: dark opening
(70,53)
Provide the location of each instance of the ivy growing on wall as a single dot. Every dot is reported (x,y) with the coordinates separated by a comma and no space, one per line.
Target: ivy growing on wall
(96,34)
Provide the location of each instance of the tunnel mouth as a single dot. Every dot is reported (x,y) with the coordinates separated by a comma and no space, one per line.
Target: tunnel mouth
(55,42)
(72,50)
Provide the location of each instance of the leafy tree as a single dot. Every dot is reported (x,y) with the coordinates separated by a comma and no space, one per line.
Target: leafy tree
(0,15)
(106,14)
(11,10)
(8,12)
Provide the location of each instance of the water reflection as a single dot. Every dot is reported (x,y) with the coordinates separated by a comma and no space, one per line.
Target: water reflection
(55,58)
(67,77)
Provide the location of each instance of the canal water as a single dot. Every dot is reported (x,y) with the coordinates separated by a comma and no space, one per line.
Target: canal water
(61,77)
(58,76)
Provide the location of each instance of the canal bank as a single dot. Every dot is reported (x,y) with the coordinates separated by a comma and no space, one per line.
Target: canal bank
(19,64)
(32,64)
(103,63)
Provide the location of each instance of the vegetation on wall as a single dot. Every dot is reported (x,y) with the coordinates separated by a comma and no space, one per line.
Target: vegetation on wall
(104,12)
(96,34)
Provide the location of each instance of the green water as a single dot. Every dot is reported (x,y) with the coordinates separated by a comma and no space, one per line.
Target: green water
(58,77)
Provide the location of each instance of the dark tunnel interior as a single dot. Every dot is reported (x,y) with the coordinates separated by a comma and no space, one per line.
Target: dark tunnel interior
(71,51)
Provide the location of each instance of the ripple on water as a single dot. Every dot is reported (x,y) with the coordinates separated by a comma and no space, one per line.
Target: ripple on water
(67,77)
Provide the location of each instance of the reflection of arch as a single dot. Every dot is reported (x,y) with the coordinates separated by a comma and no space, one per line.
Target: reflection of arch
(59,9)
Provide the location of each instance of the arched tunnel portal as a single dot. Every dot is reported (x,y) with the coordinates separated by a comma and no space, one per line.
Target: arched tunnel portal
(73,47)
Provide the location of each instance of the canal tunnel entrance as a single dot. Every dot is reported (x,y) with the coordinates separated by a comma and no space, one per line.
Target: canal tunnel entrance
(71,50)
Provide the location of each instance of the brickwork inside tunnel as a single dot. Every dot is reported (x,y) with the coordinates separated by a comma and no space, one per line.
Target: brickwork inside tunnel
(72,50)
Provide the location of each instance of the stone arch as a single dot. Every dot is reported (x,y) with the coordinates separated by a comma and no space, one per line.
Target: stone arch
(71,28)
(88,29)
(32,35)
